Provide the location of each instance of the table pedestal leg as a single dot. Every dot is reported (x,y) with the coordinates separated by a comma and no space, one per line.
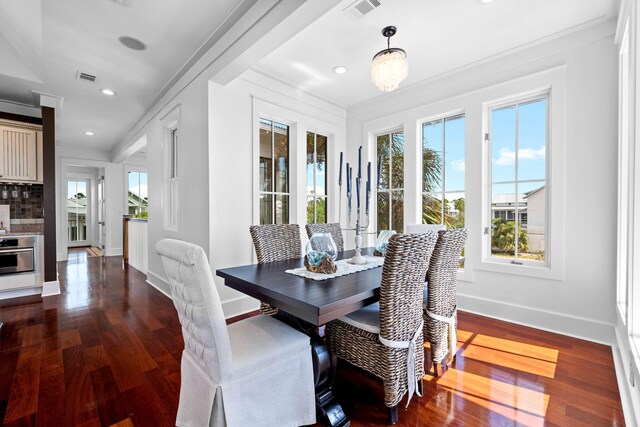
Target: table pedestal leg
(328,410)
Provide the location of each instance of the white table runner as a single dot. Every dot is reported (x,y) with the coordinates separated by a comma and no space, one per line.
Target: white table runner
(344,268)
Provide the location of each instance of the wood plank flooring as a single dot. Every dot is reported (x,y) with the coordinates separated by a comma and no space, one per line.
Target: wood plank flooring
(107,353)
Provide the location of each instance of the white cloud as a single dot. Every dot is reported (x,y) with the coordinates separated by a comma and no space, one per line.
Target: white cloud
(458,165)
(508,157)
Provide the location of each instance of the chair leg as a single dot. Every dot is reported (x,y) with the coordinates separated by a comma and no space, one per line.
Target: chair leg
(420,387)
(393,415)
(435,369)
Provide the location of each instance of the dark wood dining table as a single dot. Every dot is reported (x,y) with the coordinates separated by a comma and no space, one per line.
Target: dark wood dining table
(307,305)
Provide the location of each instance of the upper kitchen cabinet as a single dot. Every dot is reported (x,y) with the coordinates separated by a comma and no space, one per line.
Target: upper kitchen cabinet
(20,152)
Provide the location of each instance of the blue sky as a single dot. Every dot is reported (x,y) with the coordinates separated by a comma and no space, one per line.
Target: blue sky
(138,183)
(532,127)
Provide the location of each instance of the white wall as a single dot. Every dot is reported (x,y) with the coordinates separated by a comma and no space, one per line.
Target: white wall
(233,113)
(216,137)
(577,296)
(69,159)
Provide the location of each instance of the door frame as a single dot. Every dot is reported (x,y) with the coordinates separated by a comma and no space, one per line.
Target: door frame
(73,177)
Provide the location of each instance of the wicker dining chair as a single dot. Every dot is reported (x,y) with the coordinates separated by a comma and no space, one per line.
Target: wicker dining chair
(440,313)
(275,242)
(385,339)
(333,228)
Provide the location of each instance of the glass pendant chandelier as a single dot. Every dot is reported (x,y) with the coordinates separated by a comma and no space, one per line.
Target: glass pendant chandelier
(389,66)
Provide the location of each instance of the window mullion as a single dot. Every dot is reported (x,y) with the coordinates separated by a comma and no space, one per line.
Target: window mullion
(443,177)
(273,173)
(517,204)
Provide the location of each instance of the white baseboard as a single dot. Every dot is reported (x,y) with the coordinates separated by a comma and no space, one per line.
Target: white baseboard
(629,396)
(240,305)
(18,293)
(114,252)
(559,323)
(159,283)
(51,288)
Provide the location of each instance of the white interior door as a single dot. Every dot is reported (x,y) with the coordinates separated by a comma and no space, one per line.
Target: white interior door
(78,212)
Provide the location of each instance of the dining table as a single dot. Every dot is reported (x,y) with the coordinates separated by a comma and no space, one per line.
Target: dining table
(308,305)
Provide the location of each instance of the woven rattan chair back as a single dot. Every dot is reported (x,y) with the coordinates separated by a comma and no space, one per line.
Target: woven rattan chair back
(334,229)
(275,242)
(405,265)
(441,293)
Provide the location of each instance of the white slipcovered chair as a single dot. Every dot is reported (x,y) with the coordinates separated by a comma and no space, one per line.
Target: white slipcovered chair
(254,372)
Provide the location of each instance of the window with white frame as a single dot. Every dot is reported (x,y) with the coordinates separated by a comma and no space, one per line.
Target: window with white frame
(390,199)
(518,212)
(137,194)
(316,178)
(172,177)
(274,172)
(443,172)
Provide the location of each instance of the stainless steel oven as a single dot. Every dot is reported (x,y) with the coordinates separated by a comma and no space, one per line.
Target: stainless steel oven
(16,254)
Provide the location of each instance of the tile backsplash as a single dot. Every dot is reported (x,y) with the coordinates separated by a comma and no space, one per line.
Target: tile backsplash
(21,208)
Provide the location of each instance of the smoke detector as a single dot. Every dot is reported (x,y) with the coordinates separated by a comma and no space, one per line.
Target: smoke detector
(359,8)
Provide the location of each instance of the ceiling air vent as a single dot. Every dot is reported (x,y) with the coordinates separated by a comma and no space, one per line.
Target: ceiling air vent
(359,8)
(86,77)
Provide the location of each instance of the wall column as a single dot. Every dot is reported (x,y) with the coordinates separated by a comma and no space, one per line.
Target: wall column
(49,198)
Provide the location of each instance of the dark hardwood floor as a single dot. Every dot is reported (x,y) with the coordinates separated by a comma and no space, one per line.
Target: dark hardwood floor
(107,352)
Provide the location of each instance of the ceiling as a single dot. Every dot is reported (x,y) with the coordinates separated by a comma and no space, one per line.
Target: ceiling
(44,44)
(438,35)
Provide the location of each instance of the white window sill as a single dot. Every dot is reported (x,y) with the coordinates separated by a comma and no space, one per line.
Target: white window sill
(541,272)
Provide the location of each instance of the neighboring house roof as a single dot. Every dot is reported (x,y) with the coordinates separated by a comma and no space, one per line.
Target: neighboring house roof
(532,192)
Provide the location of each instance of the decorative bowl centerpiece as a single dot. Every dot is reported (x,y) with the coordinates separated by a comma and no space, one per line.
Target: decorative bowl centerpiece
(382,242)
(321,254)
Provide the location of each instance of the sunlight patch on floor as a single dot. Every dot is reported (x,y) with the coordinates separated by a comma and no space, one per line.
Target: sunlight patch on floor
(519,404)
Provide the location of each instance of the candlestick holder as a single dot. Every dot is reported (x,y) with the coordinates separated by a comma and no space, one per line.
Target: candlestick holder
(357,259)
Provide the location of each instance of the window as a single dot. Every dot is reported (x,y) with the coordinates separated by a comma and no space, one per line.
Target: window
(391,190)
(77,198)
(172,177)
(137,194)
(274,172)
(518,176)
(443,172)
(316,178)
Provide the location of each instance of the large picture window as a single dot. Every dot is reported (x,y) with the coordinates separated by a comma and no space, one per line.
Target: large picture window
(274,172)
(316,178)
(518,134)
(390,214)
(443,171)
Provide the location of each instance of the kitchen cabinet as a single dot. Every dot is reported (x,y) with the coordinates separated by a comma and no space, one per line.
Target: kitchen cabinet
(20,152)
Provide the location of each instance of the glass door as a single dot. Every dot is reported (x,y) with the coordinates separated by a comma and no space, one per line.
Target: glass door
(78,205)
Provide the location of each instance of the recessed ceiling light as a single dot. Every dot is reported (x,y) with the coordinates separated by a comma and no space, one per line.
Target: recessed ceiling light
(340,69)
(485,1)
(89,133)
(132,43)
(107,92)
